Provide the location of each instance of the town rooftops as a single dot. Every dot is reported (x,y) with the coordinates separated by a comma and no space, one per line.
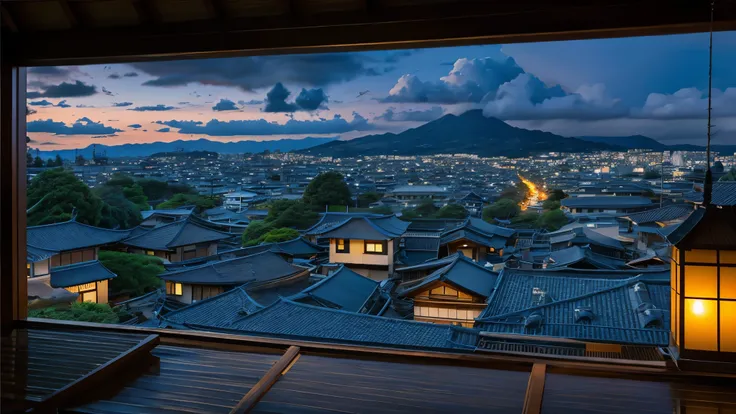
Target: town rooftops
(460,272)
(613,202)
(256,268)
(418,189)
(343,289)
(328,221)
(218,310)
(471,197)
(631,310)
(724,194)
(79,274)
(478,231)
(174,212)
(661,215)
(170,236)
(289,319)
(367,228)
(71,235)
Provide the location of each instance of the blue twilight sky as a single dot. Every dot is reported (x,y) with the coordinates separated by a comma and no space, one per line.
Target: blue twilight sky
(654,86)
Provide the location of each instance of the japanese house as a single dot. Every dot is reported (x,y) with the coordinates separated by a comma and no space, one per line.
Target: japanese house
(605,204)
(180,240)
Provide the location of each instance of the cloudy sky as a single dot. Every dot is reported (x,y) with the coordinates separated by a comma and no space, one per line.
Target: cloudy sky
(654,86)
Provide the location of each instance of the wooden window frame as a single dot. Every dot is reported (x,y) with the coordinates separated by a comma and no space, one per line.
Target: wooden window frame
(383,244)
(346,246)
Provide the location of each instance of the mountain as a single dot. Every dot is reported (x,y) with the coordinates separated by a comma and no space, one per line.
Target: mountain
(470,133)
(202,144)
(632,142)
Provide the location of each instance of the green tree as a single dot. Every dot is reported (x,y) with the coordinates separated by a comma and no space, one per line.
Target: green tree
(117,211)
(503,209)
(426,208)
(29,159)
(297,215)
(557,195)
(137,273)
(552,220)
(78,311)
(160,190)
(254,231)
(550,204)
(526,220)
(718,167)
(730,176)
(58,192)
(37,162)
(180,199)
(58,162)
(79,161)
(129,188)
(381,210)
(365,199)
(50,163)
(275,236)
(327,189)
(455,211)
(408,214)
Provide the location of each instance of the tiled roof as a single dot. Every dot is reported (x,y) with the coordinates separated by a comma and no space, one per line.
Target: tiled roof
(462,272)
(488,228)
(329,220)
(36,254)
(175,212)
(614,315)
(433,264)
(434,225)
(472,197)
(222,309)
(344,288)
(71,235)
(724,194)
(666,213)
(606,201)
(259,267)
(176,234)
(431,244)
(467,234)
(289,319)
(415,257)
(368,228)
(79,274)
(300,247)
(418,189)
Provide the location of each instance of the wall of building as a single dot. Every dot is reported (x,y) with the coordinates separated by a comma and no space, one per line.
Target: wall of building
(357,254)
(41,268)
(102,291)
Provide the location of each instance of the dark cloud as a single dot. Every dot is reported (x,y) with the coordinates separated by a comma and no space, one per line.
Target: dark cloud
(307,100)
(30,111)
(82,126)
(159,107)
(114,76)
(105,136)
(41,103)
(396,56)
(121,104)
(130,74)
(49,143)
(215,127)
(225,105)
(251,102)
(63,104)
(392,115)
(183,103)
(54,71)
(163,130)
(250,73)
(136,126)
(85,106)
(107,92)
(64,90)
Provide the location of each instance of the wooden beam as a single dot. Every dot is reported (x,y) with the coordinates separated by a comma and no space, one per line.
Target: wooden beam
(92,382)
(69,13)
(8,20)
(535,390)
(249,401)
(147,11)
(216,8)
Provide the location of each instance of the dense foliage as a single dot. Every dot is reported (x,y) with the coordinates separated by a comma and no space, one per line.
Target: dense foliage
(274,236)
(381,210)
(517,193)
(327,189)
(525,220)
(552,220)
(54,194)
(254,231)
(290,213)
(502,209)
(160,190)
(137,273)
(182,199)
(124,201)
(82,312)
(452,211)
(365,199)
(730,176)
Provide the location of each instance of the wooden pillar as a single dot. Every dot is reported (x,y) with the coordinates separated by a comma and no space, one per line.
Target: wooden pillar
(13,294)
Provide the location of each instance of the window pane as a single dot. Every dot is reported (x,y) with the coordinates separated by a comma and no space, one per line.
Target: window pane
(178,288)
(701,281)
(379,248)
(728,256)
(728,326)
(370,247)
(701,325)
(728,282)
(700,256)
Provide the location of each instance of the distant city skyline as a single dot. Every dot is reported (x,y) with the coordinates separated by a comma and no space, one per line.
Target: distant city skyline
(653,86)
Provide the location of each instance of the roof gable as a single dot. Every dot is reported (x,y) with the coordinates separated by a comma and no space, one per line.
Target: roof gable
(460,272)
(368,228)
(344,288)
(260,267)
(176,234)
(71,235)
(79,274)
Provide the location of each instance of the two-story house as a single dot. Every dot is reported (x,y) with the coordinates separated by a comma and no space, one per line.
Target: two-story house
(366,245)
(181,240)
(64,255)
(476,239)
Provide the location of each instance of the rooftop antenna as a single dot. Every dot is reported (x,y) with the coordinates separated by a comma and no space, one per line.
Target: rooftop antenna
(708,190)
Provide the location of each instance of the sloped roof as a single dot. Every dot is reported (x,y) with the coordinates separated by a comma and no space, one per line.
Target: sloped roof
(176,234)
(594,237)
(724,194)
(615,316)
(259,267)
(576,254)
(666,213)
(606,201)
(174,212)
(344,288)
(71,235)
(472,197)
(79,274)
(368,228)
(328,221)
(300,247)
(36,254)
(290,319)
(707,228)
(431,244)
(488,228)
(467,234)
(461,272)
(217,310)
(435,225)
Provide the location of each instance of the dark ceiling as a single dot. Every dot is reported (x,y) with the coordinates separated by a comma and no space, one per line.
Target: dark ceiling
(45,32)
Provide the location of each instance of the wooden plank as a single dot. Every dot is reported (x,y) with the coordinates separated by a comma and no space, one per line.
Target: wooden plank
(535,390)
(110,370)
(255,394)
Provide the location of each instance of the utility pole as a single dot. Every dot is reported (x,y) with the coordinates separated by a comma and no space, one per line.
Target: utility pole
(708,187)
(661,180)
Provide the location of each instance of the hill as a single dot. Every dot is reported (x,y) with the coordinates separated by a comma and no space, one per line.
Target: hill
(632,142)
(470,133)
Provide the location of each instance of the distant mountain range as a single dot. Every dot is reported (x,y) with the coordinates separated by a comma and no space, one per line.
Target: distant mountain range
(473,133)
(202,144)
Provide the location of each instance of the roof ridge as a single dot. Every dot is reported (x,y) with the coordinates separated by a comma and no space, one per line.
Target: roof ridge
(152,229)
(81,224)
(209,299)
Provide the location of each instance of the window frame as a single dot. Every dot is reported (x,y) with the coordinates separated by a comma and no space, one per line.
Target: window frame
(346,246)
(382,243)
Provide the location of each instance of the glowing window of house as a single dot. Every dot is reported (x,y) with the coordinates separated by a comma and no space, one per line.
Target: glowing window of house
(374,247)
(343,246)
(173,288)
(150,252)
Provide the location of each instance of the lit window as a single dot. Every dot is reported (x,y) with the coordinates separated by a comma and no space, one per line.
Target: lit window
(343,246)
(173,288)
(374,247)
(701,324)
(701,281)
(150,252)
